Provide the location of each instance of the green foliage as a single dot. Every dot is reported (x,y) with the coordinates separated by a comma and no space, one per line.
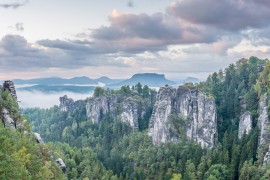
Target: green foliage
(217,172)
(112,150)
(20,156)
(235,87)
(99,91)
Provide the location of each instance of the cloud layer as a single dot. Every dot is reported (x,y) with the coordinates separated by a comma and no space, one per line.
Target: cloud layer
(189,36)
(13,5)
(226,14)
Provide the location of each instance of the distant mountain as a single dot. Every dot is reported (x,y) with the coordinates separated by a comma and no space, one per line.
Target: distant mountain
(106,80)
(60,81)
(150,79)
(182,81)
(59,88)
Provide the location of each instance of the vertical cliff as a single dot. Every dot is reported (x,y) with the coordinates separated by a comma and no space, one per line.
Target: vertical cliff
(264,137)
(127,108)
(183,113)
(159,122)
(66,104)
(263,123)
(96,108)
(245,124)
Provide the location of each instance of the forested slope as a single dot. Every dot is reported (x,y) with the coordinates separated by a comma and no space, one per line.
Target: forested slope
(130,154)
(20,156)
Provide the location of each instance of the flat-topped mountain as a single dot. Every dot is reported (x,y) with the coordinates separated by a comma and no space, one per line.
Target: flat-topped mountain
(150,79)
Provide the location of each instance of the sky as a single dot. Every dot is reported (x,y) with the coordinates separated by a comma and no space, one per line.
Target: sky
(68,38)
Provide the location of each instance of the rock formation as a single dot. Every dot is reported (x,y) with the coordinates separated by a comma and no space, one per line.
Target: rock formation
(266,159)
(6,119)
(263,123)
(125,108)
(8,85)
(97,108)
(66,104)
(183,113)
(129,113)
(8,122)
(38,138)
(245,124)
(61,164)
(59,161)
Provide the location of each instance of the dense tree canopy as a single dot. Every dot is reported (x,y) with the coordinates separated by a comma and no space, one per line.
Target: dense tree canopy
(128,154)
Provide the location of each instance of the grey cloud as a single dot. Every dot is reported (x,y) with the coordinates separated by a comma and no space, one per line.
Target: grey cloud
(132,33)
(14,5)
(225,14)
(18,54)
(19,27)
(258,37)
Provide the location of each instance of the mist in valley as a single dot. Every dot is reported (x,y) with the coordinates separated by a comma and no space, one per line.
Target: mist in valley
(31,99)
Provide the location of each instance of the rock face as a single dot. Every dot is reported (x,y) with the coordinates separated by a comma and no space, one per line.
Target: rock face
(8,85)
(6,119)
(66,104)
(158,127)
(266,159)
(263,123)
(245,124)
(129,113)
(183,113)
(61,164)
(97,108)
(38,138)
(125,108)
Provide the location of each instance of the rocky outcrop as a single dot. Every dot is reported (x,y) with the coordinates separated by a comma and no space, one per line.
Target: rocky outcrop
(159,123)
(8,85)
(61,164)
(263,123)
(97,108)
(245,124)
(59,161)
(6,119)
(186,110)
(127,108)
(266,159)
(68,104)
(38,138)
(129,113)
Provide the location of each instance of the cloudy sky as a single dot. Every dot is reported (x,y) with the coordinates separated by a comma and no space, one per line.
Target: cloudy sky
(67,38)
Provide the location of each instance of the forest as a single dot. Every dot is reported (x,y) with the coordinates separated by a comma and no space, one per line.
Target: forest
(113,150)
(120,152)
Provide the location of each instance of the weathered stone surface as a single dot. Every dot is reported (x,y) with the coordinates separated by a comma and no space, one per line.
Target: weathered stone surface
(266,159)
(61,164)
(125,108)
(6,119)
(263,123)
(96,108)
(245,124)
(158,127)
(195,111)
(129,113)
(66,104)
(8,85)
